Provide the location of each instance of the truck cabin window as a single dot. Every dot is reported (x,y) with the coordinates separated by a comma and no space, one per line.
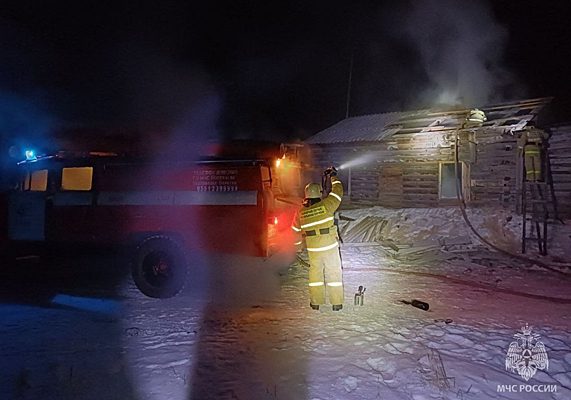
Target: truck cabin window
(77,178)
(36,181)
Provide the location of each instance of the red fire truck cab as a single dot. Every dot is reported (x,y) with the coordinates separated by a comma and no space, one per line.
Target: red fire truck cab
(164,211)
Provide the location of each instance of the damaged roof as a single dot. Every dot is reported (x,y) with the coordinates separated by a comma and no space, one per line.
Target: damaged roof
(508,117)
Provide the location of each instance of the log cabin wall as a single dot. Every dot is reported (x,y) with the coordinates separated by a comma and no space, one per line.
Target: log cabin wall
(410,170)
(560,156)
(493,175)
(361,183)
(403,170)
(400,172)
(410,155)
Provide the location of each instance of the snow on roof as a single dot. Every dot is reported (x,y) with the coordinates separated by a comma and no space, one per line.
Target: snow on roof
(509,117)
(355,129)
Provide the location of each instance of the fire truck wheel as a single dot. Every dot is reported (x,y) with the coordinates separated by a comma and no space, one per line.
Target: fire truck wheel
(159,268)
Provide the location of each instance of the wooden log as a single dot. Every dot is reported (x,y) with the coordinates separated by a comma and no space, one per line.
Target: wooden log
(419,197)
(420,185)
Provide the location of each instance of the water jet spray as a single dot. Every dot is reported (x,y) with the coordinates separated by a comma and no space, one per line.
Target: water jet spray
(360,160)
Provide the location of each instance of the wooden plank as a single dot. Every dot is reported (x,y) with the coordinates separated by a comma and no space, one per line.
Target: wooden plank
(390,182)
(421,193)
(420,185)
(420,197)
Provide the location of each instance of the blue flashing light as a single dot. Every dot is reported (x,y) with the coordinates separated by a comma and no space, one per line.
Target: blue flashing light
(30,155)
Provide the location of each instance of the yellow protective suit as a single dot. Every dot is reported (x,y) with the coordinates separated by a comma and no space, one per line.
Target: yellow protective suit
(532,156)
(316,225)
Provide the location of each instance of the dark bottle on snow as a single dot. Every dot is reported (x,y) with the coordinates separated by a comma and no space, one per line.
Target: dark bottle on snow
(420,304)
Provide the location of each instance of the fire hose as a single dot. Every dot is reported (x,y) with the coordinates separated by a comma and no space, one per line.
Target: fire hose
(462,206)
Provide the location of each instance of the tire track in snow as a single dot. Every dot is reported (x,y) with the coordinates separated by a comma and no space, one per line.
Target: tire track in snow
(471,284)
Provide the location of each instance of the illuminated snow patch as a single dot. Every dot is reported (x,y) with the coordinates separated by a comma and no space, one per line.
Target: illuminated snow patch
(98,305)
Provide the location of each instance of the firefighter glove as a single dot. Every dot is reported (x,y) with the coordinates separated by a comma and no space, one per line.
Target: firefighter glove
(331,171)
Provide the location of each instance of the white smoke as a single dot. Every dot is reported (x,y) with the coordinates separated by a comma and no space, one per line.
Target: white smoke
(461,47)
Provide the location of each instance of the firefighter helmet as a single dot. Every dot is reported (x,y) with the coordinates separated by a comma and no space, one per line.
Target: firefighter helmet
(313,191)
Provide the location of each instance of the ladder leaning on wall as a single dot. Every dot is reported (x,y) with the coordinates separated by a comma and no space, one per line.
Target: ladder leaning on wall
(538,201)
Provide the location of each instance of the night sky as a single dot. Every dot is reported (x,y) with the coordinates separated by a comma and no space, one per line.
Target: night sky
(268,70)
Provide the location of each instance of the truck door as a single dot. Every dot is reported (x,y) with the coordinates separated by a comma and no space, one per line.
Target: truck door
(70,208)
(27,207)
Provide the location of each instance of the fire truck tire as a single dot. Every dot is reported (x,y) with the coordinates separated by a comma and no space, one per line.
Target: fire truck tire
(159,267)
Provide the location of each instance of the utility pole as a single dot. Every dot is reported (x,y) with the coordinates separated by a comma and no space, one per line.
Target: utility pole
(349,83)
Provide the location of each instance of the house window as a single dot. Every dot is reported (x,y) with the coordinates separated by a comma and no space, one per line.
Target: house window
(447,180)
(77,178)
(36,181)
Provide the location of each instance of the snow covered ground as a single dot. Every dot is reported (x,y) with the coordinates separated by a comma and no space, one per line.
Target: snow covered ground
(243,329)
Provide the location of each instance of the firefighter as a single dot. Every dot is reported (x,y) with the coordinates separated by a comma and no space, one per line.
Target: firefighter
(532,143)
(532,156)
(315,222)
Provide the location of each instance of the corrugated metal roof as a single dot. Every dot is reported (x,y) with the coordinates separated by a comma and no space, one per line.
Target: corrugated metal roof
(508,117)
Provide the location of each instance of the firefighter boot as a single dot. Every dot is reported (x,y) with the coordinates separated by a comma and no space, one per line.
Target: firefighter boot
(337,307)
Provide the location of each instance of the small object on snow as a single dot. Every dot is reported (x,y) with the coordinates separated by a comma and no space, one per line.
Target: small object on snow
(360,296)
(439,377)
(133,331)
(420,304)
(446,321)
(337,307)
(417,303)
(389,243)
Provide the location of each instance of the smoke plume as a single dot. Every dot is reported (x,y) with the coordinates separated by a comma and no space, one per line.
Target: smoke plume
(460,47)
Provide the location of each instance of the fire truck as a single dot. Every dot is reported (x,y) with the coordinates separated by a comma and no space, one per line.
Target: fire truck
(163,212)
